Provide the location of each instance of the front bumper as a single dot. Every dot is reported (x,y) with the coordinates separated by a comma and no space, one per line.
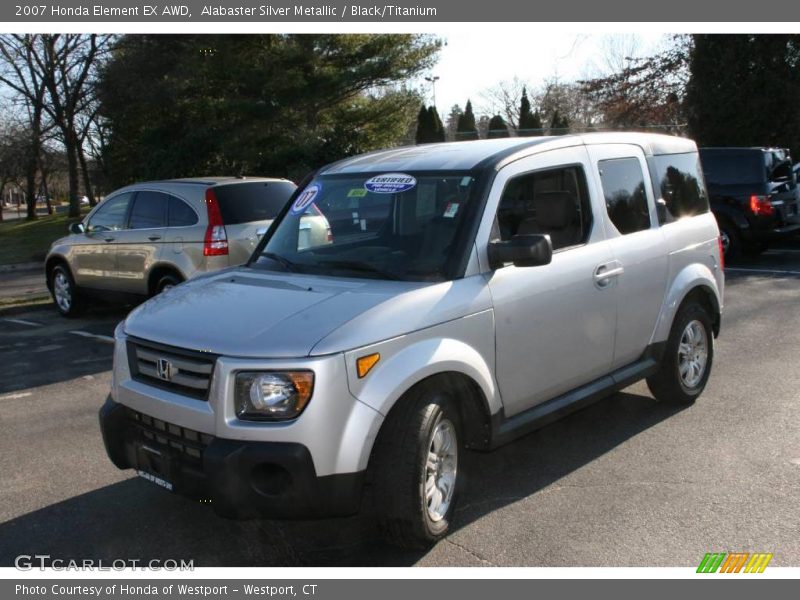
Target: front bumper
(240,478)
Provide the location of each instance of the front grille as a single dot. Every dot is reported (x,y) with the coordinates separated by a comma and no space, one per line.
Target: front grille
(185,372)
(160,433)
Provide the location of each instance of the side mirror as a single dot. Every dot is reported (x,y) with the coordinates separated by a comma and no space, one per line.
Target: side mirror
(782,172)
(530,250)
(77,228)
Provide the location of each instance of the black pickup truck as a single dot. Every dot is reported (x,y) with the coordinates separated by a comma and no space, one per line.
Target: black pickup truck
(754,196)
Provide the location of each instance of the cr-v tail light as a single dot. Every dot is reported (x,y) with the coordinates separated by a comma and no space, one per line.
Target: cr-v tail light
(721,253)
(216,240)
(761,206)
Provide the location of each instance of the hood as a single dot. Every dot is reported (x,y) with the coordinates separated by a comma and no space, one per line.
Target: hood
(248,313)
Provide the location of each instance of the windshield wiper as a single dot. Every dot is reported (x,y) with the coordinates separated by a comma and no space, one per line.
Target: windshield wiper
(357,265)
(284,262)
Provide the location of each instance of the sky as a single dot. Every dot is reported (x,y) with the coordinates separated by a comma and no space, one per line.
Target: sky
(470,63)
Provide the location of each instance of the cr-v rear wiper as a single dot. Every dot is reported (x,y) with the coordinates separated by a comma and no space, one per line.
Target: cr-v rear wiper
(284,262)
(357,265)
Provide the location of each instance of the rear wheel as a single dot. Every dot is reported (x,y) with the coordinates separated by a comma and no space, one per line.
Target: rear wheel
(415,468)
(167,281)
(756,248)
(62,287)
(687,360)
(731,241)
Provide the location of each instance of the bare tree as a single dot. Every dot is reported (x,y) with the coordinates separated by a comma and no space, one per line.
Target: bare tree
(19,70)
(68,63)
(504,99)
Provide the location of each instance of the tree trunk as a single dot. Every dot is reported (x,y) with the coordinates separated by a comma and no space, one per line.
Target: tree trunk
(30,180)
(71,146)
(87,180)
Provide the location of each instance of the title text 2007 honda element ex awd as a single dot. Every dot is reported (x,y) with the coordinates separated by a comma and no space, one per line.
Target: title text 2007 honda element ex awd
(469,293)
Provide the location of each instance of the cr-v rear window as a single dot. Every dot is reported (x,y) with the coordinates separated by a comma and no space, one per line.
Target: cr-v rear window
(252,201)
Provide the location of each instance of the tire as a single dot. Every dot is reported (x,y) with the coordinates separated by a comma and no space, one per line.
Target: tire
(404,466)
(167,281)
(688,358)
(62,287)
(731,241)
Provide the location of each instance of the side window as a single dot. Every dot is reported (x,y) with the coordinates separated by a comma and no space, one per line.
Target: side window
(679,179)
(554,202)
(180,213)
(149,211)
(111,215)
(623,188)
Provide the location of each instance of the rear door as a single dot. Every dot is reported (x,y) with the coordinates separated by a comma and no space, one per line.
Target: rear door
(248,208)
(636,242)
(140,245)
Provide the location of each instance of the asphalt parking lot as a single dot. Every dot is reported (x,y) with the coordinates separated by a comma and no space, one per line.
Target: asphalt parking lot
(626,482)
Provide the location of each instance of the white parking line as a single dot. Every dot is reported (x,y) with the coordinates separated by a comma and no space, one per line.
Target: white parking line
(103,338)
(23,322)
(16,396)
(765,271)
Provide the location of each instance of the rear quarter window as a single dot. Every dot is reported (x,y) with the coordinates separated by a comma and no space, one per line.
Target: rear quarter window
(678,178)
(252,201)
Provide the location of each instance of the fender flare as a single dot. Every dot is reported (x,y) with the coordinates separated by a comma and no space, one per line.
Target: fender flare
(692,277)
(392,378)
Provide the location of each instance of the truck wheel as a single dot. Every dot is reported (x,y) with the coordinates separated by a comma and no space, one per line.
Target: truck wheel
(415,468)
(65,296)
(731,241)
(687,359)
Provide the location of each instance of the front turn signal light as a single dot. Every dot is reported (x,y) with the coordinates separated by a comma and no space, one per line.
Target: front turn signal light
(365,363)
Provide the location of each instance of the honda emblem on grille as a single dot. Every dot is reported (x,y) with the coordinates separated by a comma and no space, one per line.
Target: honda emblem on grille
(164,369)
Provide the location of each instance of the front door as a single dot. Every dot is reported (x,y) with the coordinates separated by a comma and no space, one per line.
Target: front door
(94,256)
(554,323)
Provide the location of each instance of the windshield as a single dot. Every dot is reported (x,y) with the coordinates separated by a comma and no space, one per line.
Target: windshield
(389,226)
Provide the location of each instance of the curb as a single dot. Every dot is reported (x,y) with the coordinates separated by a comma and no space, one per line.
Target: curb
(26,266)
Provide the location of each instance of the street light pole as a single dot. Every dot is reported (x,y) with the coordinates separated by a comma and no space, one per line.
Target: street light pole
(433,79)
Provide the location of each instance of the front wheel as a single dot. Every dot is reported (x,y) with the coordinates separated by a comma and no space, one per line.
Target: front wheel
(415,468)
(687,360)
(65,296)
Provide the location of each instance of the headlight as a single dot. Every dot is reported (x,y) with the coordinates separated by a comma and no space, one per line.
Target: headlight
(272,396)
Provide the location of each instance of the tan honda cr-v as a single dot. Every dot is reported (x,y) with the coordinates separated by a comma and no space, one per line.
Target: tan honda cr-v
(150,236)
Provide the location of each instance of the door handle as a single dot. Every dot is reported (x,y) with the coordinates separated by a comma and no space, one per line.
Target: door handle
(603,273)
(154,238)
(109,239)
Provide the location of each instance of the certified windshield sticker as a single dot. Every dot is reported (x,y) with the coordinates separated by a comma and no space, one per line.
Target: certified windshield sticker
(390,183)
(357,193)
(305,199)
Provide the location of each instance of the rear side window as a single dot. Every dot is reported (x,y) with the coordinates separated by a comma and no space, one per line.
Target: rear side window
(180,213)
(553,202)
(679,179)
(149,211)
(734,168)
(254,201)
(623,188)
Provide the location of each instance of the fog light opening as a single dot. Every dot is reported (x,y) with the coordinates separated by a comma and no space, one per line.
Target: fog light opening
(270,480)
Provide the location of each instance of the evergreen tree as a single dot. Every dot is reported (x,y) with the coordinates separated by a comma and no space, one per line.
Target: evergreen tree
(466,129)
(743,90)
(423,126)
(530,123)
(497,128)
(437,128)
(452,122)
